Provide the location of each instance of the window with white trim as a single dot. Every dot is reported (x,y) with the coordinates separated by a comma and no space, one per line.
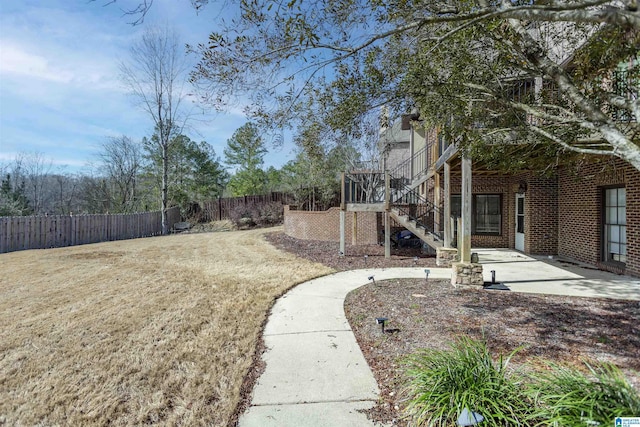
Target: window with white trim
(615,225)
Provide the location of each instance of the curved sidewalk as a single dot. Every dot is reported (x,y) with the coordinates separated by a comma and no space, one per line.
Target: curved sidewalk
(315,373)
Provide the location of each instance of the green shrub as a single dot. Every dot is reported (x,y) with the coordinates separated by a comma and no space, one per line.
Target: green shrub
(440,384)
(566,396)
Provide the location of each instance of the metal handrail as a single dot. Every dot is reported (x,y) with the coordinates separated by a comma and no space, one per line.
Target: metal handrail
(404,170)
(369,187)
(407,200)
(623,86)
(422,211)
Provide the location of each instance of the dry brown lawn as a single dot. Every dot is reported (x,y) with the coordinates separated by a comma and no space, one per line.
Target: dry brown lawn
(148,331)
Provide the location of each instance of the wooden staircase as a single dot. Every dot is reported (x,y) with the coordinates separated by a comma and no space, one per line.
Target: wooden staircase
(366,189)
(418,230)
(408,208)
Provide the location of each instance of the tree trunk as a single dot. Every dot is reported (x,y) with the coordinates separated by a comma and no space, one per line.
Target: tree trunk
(165,174)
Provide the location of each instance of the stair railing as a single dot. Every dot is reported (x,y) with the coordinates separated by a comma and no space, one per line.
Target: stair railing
(408,201)
(413,167)
(422,211)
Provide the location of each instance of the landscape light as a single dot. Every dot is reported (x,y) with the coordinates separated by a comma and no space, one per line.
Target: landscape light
(372,279)
(415,260)
(365,259)
(493,276)
(381,321)
(469,418)
(340,254)
(426,272)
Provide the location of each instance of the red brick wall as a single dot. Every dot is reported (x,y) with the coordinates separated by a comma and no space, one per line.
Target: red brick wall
(325,226)
(563,213)
(580,216)
(541,211)
(541,215)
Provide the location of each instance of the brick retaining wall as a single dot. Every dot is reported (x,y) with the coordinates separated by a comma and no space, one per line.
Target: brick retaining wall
(325,226)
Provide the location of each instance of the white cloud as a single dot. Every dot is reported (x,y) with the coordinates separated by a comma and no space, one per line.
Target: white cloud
(60,92)
(22,64)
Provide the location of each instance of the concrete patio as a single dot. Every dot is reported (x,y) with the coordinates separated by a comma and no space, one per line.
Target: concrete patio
(553,276)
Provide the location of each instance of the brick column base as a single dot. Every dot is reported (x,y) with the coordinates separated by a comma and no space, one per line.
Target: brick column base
(446,256)
(466,274)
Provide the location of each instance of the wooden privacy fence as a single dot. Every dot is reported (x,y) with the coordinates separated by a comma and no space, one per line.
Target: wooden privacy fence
(217,210)
(54,231)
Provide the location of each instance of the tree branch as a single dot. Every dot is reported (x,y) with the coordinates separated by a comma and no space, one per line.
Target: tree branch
(567,146)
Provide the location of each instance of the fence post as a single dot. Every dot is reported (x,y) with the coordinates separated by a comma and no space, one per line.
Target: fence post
(2,234)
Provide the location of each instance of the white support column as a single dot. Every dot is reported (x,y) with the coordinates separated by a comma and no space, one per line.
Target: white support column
(465,248)
(448,233)
(354,229)
(387,234)
(343,208)
(437,202)
(342,238)
(387,219)
(412,147)
(466,273)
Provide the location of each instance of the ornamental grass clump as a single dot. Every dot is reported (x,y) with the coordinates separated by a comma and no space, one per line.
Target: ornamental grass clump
(566,396)
(441,384)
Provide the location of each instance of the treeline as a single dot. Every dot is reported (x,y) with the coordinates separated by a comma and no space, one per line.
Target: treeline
(127,177)
(169,168)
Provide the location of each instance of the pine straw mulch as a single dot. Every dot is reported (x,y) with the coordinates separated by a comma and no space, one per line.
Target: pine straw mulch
(432,314)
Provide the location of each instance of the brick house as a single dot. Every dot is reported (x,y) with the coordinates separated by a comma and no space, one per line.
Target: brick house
(590,214)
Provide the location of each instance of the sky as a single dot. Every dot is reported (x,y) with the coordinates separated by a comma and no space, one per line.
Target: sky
(60,92)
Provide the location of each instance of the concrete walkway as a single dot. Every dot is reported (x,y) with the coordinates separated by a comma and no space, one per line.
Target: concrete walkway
(315,372)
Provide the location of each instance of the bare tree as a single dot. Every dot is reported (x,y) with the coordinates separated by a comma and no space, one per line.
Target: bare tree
(64,188)
(121,160)
(155,76)
(31,186)
(33,169)
(94,194)
(365,159)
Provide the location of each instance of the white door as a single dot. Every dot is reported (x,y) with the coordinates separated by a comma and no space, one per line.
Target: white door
(520,222)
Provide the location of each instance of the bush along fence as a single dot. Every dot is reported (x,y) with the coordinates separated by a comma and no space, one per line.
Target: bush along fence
(223,208)
(54,231)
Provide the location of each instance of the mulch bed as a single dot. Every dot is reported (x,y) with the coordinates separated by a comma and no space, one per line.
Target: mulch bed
(328,253)
(432,314)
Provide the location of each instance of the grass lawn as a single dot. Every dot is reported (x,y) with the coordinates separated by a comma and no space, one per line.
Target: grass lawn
(148,331)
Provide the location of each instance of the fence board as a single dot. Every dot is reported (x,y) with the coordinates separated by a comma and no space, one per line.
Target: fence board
(38,232)
(3,233)
(221,208)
